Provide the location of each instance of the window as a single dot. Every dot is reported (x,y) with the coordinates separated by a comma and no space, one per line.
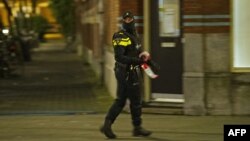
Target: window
(169,18)
(240,35)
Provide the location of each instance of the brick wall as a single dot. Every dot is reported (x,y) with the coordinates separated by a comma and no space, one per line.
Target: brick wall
(206,27)
(206,16)
(135,6)
(113,12)
(90,27)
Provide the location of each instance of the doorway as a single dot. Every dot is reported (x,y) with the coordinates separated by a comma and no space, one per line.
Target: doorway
(166,50)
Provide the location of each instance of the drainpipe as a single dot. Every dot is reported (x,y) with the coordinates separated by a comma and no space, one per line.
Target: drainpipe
(146,40)
(102,60)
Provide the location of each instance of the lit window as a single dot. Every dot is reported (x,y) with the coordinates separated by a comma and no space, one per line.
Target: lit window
(240,35)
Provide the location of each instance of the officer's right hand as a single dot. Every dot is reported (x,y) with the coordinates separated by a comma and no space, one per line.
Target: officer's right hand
(145,56)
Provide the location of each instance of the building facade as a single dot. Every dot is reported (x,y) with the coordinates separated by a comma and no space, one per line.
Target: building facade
(204,62)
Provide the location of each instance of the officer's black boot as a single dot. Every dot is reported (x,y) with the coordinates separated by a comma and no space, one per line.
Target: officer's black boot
(106,129)
(139,131)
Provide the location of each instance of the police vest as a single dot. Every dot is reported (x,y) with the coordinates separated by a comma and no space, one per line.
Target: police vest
(129,42)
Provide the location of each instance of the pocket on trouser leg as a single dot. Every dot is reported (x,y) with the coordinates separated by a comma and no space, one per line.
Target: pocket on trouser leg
(133,78)
(120,74)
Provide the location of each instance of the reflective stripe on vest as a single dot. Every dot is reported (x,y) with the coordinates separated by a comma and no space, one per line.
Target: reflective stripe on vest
(122,42)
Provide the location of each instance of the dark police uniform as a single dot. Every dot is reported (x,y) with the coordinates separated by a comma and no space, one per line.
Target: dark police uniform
(128,74)
(127,49)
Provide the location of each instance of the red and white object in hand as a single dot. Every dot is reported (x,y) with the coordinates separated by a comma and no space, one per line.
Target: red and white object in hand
(147,69)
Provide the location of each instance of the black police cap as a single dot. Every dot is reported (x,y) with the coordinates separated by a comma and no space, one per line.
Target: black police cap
(127,14)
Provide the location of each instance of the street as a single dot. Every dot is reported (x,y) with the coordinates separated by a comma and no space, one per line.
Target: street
(85,127)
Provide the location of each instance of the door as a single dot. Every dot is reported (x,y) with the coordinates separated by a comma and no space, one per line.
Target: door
(166,48)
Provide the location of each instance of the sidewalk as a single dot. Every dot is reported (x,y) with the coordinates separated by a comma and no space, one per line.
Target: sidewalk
(86,127)
(55,81)
(59,99)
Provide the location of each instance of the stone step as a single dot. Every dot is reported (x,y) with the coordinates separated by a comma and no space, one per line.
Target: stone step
(166,111)
(167,108)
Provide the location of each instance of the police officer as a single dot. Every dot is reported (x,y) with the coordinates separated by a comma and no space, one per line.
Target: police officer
(128,56)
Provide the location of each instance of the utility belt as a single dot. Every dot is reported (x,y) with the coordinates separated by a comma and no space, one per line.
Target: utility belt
(127,67)
(121,65)
(133,73)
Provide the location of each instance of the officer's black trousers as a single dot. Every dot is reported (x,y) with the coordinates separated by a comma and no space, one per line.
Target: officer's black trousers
(126,90)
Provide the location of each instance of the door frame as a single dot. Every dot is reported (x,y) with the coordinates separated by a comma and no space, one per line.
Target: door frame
(148,95)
